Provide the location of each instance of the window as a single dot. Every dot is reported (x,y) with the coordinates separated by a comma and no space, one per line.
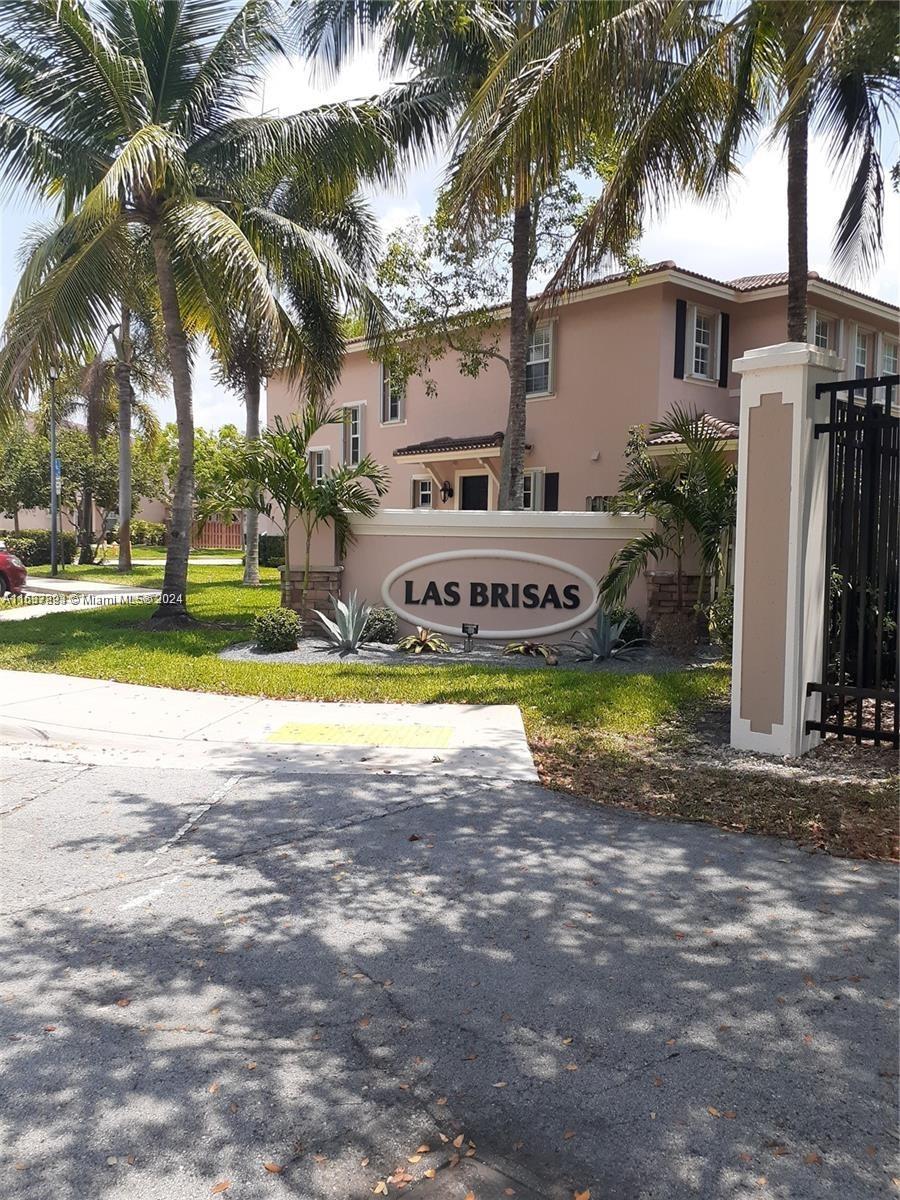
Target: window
(824,334)
(537,361)
(529,490)
(393,398)
(316,465)
(861,357)
(421,492)
(353,435)
(889,357)
(704,356)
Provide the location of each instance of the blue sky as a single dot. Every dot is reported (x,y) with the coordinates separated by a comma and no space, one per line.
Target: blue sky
(746,234)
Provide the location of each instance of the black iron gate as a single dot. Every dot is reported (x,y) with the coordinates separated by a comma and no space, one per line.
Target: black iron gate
(859,682)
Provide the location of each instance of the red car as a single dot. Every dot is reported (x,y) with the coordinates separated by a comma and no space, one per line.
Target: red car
(13,574)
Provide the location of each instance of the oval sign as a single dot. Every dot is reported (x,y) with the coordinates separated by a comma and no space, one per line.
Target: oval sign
(506,593)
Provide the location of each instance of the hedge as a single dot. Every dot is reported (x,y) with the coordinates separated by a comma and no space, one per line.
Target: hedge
(271,550)
(33,546)
(147,533)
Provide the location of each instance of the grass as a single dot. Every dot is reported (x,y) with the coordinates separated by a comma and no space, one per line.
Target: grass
(160,552)
(613,737)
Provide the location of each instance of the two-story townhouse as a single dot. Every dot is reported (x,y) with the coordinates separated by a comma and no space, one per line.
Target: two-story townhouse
(615,354)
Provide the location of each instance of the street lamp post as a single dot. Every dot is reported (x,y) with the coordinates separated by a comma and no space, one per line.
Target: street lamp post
(54,486)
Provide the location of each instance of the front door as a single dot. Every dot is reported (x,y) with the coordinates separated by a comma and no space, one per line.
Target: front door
(473,493)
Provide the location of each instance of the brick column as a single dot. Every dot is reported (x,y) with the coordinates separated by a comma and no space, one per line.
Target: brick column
(779,585)
(324,582)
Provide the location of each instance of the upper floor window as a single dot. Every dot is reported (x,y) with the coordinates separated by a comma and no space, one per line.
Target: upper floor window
(317,465)
(393,397)
(861,354)
(889,357)
(353,434)
(422,493)
(538,359)
(704,359)
(531,490)
(825,333)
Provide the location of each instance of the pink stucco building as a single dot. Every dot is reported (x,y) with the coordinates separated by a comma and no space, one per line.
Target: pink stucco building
(613,355)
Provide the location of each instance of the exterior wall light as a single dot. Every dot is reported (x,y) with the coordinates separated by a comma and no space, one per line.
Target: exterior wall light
(446,491)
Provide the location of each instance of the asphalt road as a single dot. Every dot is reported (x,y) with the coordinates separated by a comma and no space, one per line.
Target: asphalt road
(202,974)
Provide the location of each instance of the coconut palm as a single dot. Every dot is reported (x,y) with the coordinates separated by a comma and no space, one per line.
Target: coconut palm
(692,495)
(343,218)
(158,140)
(273,475)
(455,46)
(704,80)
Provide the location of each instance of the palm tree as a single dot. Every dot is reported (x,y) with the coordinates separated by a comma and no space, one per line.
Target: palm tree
(273,474)
(340,215)
(691,493)
(705,79)
(157,141)
(456,47)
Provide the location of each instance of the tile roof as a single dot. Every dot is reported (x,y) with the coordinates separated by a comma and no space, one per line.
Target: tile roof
(441,445)
(726,430)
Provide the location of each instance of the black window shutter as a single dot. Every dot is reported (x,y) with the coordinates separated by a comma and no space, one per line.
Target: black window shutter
(724,365)
(551,491)
(680,329)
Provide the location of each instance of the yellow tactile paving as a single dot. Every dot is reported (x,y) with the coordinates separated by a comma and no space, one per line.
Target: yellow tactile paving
(408,737)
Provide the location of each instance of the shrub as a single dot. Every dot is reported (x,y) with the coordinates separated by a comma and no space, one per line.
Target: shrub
(721,619)
(381,626)
(676,633)
(271,550)
(277,630)
(345,630)
(36,544)
(423,641)
(533,650)
(148,533)
(630,623)
(604,639)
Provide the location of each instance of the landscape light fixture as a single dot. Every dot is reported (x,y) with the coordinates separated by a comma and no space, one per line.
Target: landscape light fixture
(446,491)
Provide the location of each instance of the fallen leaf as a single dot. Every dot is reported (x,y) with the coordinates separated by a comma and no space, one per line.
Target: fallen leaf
(779,1151)
(222,1186)
(413,1158)
(364,1022)
(251,1066)
(272,1168)
(585,1195)
(441,1101)
(20,1166)
(500,1084)
(509,1191)
(470,1153)
(458,1141)
(470,1196)
(569,1133)
(213,1088)
(380,1188)
(679,936)
(571,1066)
(444,1138)
(730,1115)
(320,1158)
(364,1162)
(671,1041)
(745,1157)
(232,1107)
(430,1173)
(812,1160)
(568,1041)
(414,837)
(404,1087)
(713,1112)
(124,1002)
(423,1149)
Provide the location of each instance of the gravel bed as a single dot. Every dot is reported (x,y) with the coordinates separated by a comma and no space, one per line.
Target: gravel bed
(483,653)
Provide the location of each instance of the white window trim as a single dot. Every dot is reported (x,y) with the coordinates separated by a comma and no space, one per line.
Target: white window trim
(360,406)
(536,474)
(492,488)
(325,451)
(422,479)
(869,334)
(551,362)
(715,346)
(382,420)
(885,339)
(819,314)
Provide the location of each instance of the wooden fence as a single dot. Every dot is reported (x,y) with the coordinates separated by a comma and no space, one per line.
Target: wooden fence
(217,535)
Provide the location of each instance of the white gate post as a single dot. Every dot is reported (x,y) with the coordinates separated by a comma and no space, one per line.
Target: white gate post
(780,562)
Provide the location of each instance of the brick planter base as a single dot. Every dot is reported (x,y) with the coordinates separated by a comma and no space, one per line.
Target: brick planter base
(324,582)
(662,595)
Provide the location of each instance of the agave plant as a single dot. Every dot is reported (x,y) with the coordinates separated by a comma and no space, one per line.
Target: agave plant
(534,650)
(423,641)
(604,640)
(345,630)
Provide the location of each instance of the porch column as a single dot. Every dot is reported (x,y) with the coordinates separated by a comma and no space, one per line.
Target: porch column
(779,585)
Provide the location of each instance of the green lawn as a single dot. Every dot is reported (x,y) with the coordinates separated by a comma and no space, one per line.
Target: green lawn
(160,552)
(619,739)
(115,643)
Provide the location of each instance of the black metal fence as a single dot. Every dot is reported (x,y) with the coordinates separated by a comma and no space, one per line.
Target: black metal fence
(859,683)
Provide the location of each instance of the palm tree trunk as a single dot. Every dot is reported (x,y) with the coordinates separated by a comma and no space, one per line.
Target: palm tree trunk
(123,386)
(251,515)
(797,203)
(512,461)
(172,609)
(306,555)
(86,533)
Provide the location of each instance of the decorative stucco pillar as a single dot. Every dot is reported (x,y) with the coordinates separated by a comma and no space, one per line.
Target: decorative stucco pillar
(779,574)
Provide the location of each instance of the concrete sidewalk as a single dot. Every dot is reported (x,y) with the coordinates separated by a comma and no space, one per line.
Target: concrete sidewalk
(124,723)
